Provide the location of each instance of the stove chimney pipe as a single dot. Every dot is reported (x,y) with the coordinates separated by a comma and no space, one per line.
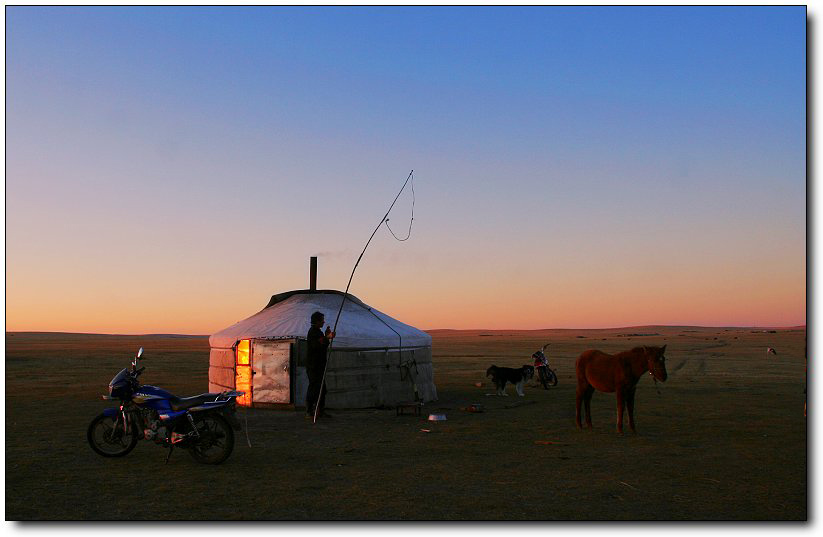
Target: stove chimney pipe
(313,274)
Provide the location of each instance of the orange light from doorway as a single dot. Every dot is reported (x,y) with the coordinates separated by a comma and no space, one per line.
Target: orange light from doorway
(242,379)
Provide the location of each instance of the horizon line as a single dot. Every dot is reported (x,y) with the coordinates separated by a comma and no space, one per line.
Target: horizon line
(170,334)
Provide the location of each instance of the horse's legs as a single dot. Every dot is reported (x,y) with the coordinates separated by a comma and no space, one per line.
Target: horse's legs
(577,402)
(620,400)
(630,408)
(587,399)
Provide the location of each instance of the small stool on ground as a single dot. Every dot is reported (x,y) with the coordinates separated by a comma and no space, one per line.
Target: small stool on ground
(413,406)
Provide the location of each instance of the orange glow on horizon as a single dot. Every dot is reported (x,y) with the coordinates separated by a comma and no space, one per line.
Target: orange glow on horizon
(434,297)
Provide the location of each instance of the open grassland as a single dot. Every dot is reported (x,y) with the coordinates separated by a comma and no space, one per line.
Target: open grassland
(724,439)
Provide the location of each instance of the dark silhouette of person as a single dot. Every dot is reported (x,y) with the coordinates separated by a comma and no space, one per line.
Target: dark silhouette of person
(318,345)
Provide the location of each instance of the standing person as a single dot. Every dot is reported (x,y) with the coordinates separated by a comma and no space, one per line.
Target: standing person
(318,343)
(541,365)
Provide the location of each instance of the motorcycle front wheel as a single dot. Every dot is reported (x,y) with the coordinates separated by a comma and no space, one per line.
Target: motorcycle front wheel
(552,377)
(107,437)
(216,440)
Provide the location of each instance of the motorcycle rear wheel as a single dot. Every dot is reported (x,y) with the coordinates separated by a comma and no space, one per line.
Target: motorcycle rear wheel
(216,440)
(107,437)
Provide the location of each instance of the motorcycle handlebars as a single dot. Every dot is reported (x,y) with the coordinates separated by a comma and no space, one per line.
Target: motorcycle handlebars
(136,359)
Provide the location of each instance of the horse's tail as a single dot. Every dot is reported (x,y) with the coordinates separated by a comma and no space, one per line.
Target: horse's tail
(580,365)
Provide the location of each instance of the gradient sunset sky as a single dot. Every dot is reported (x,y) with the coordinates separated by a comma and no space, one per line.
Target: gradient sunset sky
(169,169)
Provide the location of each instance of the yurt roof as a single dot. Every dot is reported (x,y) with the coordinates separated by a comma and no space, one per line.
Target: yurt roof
(287,316)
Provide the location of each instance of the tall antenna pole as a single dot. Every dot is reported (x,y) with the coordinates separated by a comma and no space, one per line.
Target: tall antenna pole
(346,294)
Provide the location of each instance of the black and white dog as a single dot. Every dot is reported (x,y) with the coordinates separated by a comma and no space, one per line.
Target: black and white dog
(501,375)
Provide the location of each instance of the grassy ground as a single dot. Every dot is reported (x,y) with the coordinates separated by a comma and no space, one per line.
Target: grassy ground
(725,439)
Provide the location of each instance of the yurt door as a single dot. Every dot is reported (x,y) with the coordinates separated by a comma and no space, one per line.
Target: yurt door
(271,370)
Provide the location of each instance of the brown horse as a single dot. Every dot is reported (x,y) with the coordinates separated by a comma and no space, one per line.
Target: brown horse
(617,373)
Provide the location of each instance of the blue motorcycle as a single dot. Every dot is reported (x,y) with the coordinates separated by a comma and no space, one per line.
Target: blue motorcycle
(203,425)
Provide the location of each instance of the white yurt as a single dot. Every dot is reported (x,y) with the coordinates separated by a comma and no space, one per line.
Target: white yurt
(375,360)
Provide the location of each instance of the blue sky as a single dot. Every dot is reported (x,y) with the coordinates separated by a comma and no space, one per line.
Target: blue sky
(654,155)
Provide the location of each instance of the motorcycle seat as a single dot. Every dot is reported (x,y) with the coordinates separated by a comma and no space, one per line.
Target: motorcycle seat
(182,403)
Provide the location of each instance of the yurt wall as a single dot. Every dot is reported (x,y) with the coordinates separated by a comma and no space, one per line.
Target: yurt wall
(376,377)
(356,378)
(221,369)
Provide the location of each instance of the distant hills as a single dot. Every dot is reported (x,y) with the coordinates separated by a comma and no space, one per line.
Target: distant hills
(646,330)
